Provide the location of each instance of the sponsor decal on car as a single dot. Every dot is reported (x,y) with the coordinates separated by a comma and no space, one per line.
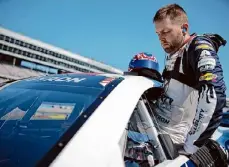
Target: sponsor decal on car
(57,79)
(106,81)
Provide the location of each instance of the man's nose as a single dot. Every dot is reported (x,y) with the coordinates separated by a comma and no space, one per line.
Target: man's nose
(161,37)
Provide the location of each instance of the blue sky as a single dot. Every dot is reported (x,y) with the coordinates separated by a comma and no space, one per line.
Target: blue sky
(110,31)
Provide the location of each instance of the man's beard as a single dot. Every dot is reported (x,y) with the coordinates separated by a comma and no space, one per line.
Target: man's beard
(170,49)
(174,45)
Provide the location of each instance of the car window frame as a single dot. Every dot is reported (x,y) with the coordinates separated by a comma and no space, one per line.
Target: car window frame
(144,111)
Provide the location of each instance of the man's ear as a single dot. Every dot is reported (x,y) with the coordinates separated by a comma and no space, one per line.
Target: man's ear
(186,27)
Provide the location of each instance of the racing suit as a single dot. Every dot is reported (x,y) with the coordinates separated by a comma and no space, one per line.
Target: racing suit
(190,109)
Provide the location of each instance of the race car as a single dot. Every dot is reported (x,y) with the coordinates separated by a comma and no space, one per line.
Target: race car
(221,135)
(83,120)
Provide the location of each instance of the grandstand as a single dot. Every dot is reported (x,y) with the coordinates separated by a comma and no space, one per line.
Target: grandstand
(21,56)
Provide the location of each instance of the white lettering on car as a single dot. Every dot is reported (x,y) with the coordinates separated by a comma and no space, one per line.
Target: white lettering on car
(58,79)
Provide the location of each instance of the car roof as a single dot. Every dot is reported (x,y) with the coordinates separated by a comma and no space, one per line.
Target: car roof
(86,80)
(90,80)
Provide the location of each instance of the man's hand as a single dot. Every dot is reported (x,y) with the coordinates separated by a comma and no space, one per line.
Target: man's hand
(211,154)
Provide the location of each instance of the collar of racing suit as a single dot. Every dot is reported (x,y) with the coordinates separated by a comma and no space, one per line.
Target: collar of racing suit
(192,36)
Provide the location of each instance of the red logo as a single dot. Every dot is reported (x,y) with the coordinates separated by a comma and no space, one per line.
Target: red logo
(142,56)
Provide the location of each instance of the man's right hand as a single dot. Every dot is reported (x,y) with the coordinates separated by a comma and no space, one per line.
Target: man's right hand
(210,154)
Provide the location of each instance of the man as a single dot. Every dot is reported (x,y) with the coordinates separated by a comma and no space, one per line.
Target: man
(190,110)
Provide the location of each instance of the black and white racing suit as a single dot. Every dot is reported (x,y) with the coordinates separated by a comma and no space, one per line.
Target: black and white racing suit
(191,108)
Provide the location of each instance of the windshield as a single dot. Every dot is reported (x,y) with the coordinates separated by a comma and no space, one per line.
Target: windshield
(33,117)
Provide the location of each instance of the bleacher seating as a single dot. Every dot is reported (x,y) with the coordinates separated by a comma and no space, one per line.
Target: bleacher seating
(13,72)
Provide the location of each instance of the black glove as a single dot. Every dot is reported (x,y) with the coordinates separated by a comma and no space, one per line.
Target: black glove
(211,154)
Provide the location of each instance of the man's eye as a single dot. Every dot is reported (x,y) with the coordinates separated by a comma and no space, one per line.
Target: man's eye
(166,32)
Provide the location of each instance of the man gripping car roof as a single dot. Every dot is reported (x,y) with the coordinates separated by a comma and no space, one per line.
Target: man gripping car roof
(194,90)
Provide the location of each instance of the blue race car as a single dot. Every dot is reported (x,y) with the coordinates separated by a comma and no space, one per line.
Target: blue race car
(83,120)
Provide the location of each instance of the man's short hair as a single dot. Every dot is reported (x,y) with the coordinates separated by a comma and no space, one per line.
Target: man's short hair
(173,11)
